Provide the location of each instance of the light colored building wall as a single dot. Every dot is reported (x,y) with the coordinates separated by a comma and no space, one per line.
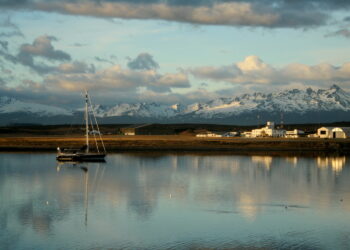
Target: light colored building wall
(333,132)
(296,133)
(324,132)
(209,134)
(268,131)
(342,133)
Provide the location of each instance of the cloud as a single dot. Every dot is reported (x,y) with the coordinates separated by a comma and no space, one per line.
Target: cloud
(254,71)
(193,96)
(42,48)
(342,32)
(103,60)
(11,34)
(9,29)
(253,13)
(75,67)
(79,44)
(4,45)
(111,85)
(117,78)
(143,61)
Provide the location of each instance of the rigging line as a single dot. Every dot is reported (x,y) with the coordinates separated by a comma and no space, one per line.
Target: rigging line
(98,128)
(93,132)
(93,185)
(78,126)
(101,176)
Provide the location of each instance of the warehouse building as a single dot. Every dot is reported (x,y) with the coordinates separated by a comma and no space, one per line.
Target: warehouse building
(334,132)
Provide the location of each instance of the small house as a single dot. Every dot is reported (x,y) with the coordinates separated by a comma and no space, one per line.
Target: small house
(325,132)
(209,134)
(296,133)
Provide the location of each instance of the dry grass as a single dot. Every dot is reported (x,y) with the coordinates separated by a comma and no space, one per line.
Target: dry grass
(182,143)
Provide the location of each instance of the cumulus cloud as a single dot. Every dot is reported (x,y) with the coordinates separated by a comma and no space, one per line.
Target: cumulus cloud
(254,71)
(263,13)
(75,67)
(42,48)
(111,85)
(117,78)
(143,61)
(59,74)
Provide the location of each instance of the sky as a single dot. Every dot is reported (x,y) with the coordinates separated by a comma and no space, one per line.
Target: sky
(169,51)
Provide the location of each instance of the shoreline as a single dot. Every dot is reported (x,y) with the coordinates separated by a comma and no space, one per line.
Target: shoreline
(175,143)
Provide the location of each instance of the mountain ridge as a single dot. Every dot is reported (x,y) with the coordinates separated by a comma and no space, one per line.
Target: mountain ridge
(296,105)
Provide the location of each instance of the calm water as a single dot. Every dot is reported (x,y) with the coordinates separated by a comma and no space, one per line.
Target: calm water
(170,201)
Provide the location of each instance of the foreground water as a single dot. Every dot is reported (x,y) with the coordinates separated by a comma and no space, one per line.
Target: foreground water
(171,201)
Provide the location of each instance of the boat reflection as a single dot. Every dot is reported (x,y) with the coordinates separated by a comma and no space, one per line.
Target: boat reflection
(84,167)
(134,197)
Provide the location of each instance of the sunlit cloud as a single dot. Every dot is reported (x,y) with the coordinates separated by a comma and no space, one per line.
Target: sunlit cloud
(253,70)
(271,14)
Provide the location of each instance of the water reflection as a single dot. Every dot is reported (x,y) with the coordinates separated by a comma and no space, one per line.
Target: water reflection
(336,163)
(264,161)
(169,200)
(85,170)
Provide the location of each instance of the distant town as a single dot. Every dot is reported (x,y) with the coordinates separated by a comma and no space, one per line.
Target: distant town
(270,130)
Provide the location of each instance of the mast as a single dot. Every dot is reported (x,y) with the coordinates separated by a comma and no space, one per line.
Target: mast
(86,121)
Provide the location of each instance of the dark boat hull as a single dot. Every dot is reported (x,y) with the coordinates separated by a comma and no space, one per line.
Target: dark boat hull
(81,157)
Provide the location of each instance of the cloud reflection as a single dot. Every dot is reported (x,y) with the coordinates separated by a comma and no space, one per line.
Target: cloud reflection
(143,192)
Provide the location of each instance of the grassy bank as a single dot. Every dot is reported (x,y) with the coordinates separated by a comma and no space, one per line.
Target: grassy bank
(179,143)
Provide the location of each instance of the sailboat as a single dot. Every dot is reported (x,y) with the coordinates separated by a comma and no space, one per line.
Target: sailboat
(85,153)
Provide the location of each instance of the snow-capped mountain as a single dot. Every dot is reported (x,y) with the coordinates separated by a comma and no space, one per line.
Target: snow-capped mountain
(293,106)
(288,101)
(12,105)
(138,110)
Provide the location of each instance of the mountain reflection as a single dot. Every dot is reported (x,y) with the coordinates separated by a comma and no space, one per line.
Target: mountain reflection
(37,195)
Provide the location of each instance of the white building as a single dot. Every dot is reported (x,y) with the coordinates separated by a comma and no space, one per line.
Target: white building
(341,132)
(324,132)
(209,134)
(268,131)
(334,132)
(246,134)
(296,133)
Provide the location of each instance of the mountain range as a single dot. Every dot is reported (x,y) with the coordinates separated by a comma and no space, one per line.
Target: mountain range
(288,106)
